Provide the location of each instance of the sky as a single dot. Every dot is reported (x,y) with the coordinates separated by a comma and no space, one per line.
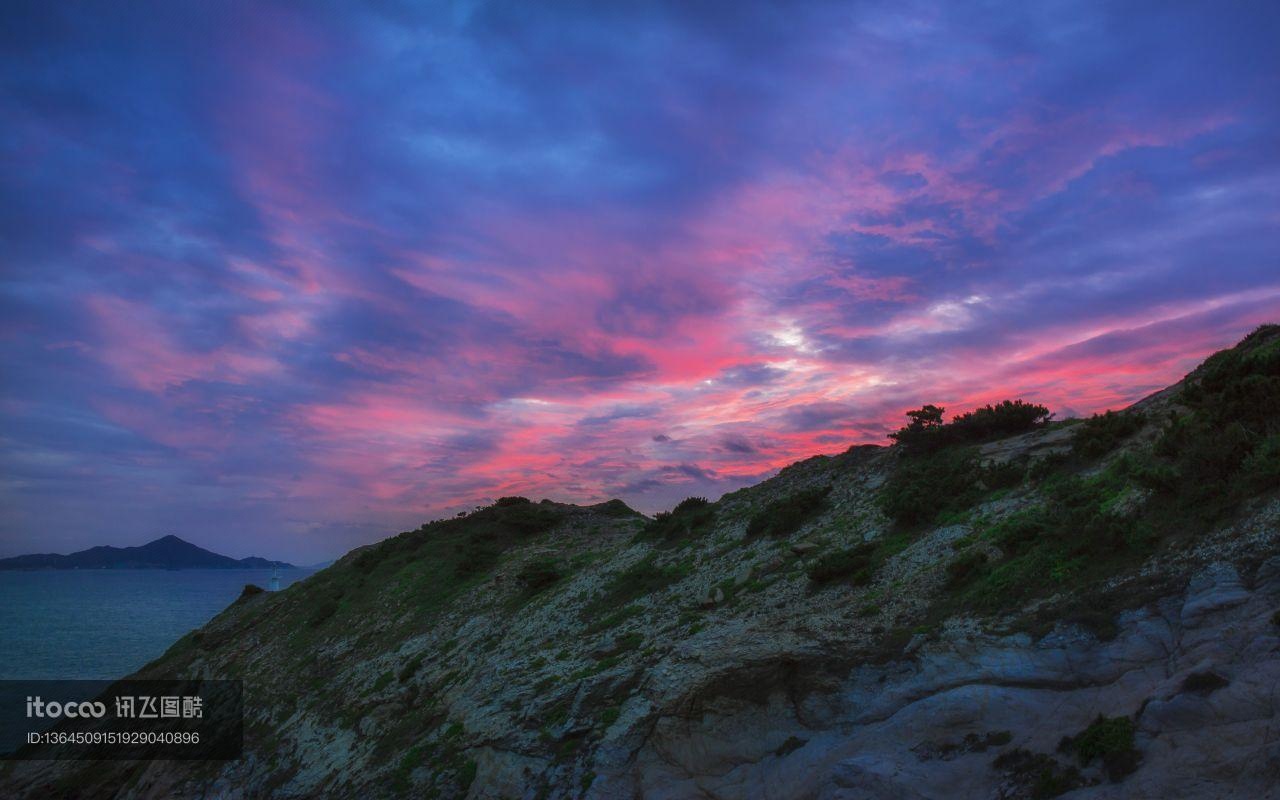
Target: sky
(287,278)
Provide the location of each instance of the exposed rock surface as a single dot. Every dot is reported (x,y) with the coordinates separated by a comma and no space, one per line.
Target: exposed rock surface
(898,730)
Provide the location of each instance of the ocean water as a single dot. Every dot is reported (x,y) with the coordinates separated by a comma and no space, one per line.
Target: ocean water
(103,624)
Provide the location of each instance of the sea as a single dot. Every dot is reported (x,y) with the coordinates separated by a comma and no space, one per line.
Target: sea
(102,624)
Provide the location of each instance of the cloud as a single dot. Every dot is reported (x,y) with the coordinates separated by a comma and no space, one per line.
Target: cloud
(286,278)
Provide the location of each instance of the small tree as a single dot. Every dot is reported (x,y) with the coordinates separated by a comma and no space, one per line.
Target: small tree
(924,425)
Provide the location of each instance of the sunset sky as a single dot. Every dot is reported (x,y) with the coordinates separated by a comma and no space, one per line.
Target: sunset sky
(283,279)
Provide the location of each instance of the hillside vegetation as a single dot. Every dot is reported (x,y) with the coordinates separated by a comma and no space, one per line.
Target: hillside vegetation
(545,650)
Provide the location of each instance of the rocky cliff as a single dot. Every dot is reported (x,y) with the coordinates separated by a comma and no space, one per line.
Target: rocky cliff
(1075,608)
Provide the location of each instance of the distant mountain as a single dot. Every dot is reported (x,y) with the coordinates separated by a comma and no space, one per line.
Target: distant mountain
(168,552)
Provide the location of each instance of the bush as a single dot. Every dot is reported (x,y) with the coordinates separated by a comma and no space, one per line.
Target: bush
(410,668)
(514,500)
(526,519)
(1102,433)
(853,563)
(1261,467)
(1006,418)
(1228,447)
(467,774)
(1037,776)
(1003,476)
(1203,683)
(785,516)
(1074,532)
(692,516)
(923,487)
(1109,739)
(926,422)
(323,611)
(617,509)
(690,504)
(926,432)
(1221,452)
(963,566)
(539,574)
(642,578)
(475,557)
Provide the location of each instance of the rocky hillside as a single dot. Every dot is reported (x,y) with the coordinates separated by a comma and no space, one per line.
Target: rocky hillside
(1000,606)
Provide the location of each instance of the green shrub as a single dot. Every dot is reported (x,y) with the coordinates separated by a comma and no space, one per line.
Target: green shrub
(410,668)
(617,509)
(467,774)
(1262,466)
(628,642)
(853,564)
(642,578)
(511,501)
(1047,466)
(691,517)
(1006,418)
(923,487)
(785,516)
(607,621)
(1003,476)
(963,566)
(540,573)
(1110,739)
(1203,683)
(1209,459)
(475,556)
(1102,433)
(325,609)
(1074,532)
(1037,776)
(1228,447)
(927,432)
(527,519)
